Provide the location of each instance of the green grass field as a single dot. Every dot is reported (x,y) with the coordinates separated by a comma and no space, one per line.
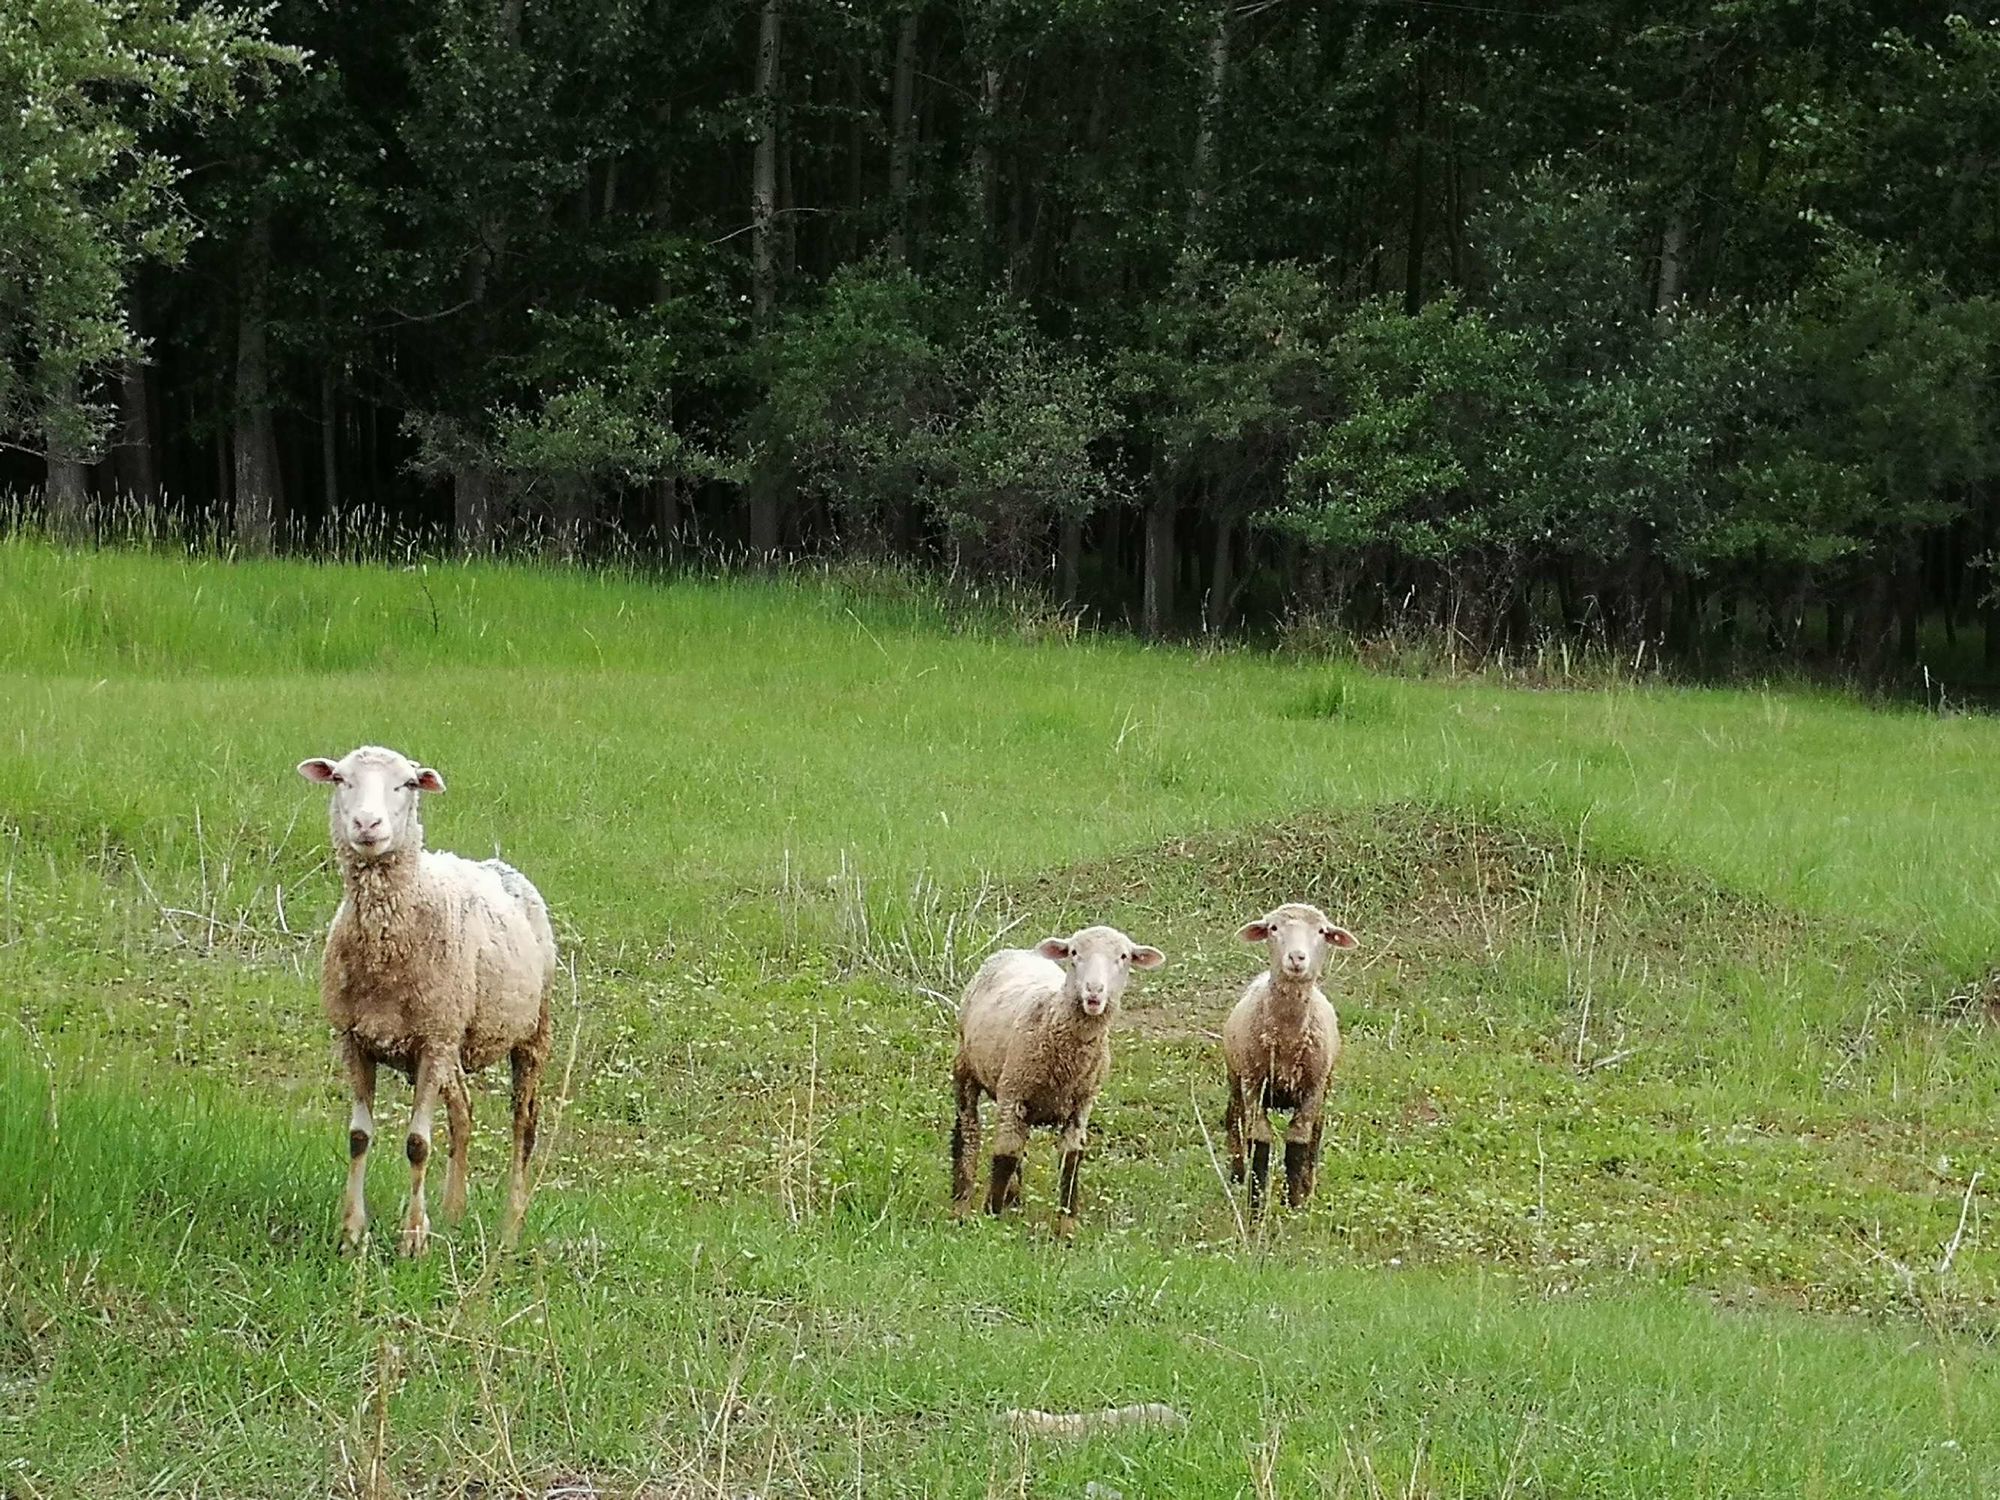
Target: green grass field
(1662,1160)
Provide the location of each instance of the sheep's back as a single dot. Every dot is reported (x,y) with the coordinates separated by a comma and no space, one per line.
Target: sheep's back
(996,1008)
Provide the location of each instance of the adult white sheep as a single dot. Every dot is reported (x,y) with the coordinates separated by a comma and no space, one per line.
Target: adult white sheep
(436,966)
(1279,1045)
(1034,1034)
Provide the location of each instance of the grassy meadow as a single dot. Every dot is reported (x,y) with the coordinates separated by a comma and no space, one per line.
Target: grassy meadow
(1662,1159)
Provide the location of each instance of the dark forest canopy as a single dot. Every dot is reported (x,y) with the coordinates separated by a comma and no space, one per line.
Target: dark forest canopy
(1655,323)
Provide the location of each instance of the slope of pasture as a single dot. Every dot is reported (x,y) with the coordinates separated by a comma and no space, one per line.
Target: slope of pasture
(1661,1161)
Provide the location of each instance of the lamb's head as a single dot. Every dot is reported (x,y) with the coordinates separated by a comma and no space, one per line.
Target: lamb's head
(1099,961)
(374,806)
(1299,938)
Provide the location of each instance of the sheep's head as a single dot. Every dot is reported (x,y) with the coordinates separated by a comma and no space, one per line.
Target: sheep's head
(1299,938)
(374,806)
(1100,961)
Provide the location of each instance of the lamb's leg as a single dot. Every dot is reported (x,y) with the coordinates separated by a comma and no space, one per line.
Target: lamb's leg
(1010,1139)
(1072,1161)
(527,1114)
(360,1132)
(458,1110)
(1258,1125)
(965,1145)
(1302,1148)
(1232,1129)
(432,1068)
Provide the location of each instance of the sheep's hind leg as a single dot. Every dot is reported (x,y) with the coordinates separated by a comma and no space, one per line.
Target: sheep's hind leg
(527,1114)
(1232,1130)
(432,1068)
(1010,1140)
(458,1111)
(965,1145)
(360,1132)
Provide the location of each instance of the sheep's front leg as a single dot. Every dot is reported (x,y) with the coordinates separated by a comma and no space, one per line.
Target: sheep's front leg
(431,1071)
(1072,1159)
(360,1131)
(458,1111)
(1302,1148)
(1257,1125)
(1010,1139)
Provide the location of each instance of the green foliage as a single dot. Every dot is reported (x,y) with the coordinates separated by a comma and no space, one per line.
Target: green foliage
(87,194)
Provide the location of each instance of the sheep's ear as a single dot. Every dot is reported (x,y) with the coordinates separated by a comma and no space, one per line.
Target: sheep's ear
(1254,932)
(319,768)
(1340,937)
(1147,958)
(1055,948)
(429,780)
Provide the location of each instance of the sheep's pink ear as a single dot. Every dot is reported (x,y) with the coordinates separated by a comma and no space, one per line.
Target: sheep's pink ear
(1340,937)
(429,780)
(1055,948)
(1254,932)
(319,768)
(1147,958)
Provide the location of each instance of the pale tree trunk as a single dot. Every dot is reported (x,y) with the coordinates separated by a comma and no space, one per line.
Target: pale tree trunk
(1216,80)
(66,495)
(1413,253)
(258,502)
(1673,245)
(1156,610)
(760,495)
(903,134)
(982,182)
(764,169)
(666,494)
(473,486)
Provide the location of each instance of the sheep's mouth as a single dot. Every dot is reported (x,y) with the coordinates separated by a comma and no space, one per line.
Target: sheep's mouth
(1093,1007)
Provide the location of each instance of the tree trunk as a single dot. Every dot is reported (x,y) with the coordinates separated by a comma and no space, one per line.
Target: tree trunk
(329,443)
(1673,242)
(902,134)
(472,507)
(1220,582)
(1413,256)
(258,501)
(66,495)
(1069,556)
(1215,82)
(1156,610)
(137,459)
(764,168)
(850,223)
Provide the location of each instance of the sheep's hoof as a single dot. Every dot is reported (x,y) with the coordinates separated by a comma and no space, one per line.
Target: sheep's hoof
(353,1240)
(1066,1227)
(415,1241)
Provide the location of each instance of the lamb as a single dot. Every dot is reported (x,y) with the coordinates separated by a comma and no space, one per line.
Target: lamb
(435,965)
(1034,1035)
(1280,1044)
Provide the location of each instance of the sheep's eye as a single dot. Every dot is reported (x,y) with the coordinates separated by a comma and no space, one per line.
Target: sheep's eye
(339,780)
(409,786)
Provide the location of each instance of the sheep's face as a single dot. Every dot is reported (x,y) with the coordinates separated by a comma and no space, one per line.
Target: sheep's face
(1100,961)
(374,807)
(1298,937)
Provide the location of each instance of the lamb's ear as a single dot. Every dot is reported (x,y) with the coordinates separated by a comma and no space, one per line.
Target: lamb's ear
(319,768)
(1055,948)
(429,780)
(1340,937)
(1147,958)
(1254,932)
